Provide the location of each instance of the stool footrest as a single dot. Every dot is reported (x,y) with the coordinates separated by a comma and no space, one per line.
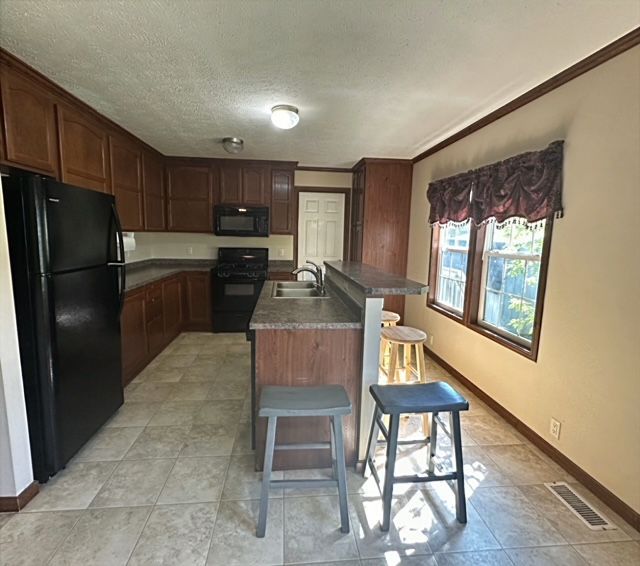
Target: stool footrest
(425,478)
(303,483)
(423,441)
(303,446)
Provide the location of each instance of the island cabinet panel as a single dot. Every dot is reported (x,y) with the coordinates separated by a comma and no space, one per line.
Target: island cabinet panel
(197,301)
(134,335)
(172,307)
(282,201)
(189,198)
(126,181)
(29,124)
(303,358)
(84,150)
(153,192)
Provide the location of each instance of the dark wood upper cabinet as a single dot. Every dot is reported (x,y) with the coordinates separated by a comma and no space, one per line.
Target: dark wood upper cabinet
(126,181)
(230,184)
(244,183)
(282,201)
(29,124)
(84,150)
(255,180)
(189,197)
(153,192)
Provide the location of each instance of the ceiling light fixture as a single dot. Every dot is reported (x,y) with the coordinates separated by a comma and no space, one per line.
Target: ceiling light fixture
(284,116)
(233,145)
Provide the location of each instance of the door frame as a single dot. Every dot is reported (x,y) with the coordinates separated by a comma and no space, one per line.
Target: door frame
(346,191)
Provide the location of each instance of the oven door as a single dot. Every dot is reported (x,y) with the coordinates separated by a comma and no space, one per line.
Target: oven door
(235,295)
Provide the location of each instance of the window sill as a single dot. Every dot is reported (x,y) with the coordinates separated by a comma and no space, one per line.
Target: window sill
(529,353)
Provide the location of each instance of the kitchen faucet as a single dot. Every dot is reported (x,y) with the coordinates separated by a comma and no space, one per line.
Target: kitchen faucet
(316,271)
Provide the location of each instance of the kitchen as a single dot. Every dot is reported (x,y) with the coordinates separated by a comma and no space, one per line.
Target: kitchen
(203,260)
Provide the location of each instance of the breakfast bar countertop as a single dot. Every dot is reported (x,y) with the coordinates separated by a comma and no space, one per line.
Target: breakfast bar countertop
(298,314)
(374,282)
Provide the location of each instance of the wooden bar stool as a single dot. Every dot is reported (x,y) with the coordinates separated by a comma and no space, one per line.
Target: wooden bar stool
(320,401)
(406,338)
(389,318)
(426,398)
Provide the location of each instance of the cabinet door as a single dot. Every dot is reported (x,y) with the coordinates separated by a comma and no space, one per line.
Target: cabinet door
(126,181)
(190,198)
(198,300)
(281,201)
(133,329)
(254,185)
(172,307)
(230,184)
(153,192)
(84,150)
(155,319)
(29,124)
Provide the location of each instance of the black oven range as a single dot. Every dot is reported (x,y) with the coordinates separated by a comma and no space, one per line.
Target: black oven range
(237,281)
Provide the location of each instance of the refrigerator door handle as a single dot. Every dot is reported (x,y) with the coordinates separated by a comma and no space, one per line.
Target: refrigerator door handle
(120,262)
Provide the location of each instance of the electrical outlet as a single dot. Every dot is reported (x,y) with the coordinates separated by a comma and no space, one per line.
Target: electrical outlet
(280,252)
(554,428)
(189,250)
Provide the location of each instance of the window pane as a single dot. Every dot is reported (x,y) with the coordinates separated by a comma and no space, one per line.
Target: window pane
(452,266)
(531,280)
(495,273)
(514,276)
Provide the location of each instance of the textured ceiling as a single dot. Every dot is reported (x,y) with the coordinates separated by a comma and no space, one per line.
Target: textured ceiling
(371,77)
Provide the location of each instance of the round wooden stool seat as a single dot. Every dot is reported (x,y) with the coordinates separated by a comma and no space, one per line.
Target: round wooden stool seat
(403,335)
(390,316)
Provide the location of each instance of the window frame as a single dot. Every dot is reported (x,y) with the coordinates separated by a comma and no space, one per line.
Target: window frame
(470,316)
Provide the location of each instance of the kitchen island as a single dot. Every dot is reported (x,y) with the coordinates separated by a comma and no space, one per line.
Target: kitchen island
(332,339)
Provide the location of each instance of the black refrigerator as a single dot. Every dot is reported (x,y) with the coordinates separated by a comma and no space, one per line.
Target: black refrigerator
(67,266)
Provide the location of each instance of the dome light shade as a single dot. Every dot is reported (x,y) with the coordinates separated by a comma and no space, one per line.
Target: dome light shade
(233,145)
(284,116)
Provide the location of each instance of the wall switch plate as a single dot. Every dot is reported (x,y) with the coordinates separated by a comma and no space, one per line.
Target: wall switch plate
(430,339)
(554,428)
(280,252)
(189,250)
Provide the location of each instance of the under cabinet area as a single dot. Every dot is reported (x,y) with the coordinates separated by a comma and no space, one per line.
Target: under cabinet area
(154,314)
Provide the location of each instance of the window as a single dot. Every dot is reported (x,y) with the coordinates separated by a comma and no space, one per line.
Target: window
(453,251)
(491,279)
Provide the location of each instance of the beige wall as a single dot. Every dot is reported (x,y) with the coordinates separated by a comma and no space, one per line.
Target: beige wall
(588,370)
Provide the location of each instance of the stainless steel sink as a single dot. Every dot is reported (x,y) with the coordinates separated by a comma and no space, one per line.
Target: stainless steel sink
(296,290)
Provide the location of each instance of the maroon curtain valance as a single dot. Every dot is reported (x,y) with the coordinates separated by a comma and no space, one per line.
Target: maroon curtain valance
(527,186)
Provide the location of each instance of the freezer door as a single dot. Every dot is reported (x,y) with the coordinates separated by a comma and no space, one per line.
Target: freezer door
(81,228)
(86,356)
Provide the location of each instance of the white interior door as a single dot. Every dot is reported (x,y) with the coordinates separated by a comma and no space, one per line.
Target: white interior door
(320,228)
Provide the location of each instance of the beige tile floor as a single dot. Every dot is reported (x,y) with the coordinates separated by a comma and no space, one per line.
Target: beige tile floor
(170,480)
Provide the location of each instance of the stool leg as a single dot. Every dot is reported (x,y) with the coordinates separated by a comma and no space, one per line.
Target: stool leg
(266,476)
(433,442)
(422,378)
(407,362)
(373,441)
(383,353)
(392,448)
(333,449)
(336,424)
(393,363)
(461,502)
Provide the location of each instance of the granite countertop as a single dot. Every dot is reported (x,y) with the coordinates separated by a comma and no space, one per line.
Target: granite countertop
(141,273)
(326,313)
(376,283)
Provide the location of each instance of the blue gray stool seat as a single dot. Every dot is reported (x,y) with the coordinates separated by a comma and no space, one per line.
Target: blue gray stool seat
(395,400)
(322,401)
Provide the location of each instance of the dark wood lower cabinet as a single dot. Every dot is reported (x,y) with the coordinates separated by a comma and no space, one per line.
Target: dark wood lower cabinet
(135,352)
(197,301)
(155,314)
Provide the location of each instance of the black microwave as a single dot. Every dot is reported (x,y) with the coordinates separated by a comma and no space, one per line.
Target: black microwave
(241,220)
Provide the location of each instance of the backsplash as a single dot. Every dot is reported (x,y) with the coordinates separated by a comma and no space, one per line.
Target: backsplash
(176,245)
